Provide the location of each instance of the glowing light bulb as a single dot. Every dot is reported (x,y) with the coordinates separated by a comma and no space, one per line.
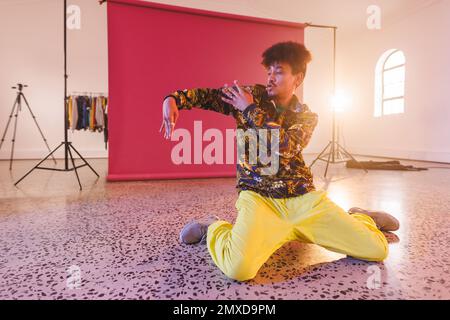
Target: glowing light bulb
(340,101)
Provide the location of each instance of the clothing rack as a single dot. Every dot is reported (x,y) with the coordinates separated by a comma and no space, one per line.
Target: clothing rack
(87,93)
(68,147)
(92,116)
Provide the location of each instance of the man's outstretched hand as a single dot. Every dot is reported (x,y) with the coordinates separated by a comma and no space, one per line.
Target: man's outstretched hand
(170,117)
(237,96)
(240,98)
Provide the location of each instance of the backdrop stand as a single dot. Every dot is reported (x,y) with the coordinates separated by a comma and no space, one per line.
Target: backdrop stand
(333,149)
(67,145)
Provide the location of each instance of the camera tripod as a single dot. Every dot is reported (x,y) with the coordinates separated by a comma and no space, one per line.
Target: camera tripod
(15,109)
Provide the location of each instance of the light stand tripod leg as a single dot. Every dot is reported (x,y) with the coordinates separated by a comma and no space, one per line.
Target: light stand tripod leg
(320,154)
(14,135)
(342,155)
(81,157)
(328,161)
(39,163)
(351,157)
(74,167)
(339,155)
(35,121)
(7,124)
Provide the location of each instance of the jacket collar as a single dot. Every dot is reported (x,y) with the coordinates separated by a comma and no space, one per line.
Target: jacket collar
(293,105)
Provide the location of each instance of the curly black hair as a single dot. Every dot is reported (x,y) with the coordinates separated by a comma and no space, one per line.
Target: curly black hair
(293,53)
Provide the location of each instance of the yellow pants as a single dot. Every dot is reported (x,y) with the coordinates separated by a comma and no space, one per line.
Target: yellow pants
(264,224)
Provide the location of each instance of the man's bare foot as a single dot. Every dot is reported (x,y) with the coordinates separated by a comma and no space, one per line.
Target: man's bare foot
(383,220)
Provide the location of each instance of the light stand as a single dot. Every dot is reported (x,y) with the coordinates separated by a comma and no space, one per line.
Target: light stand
(335,149)
(67,145)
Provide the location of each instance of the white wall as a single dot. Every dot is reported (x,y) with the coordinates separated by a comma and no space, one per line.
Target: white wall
(423,131)
(31,52)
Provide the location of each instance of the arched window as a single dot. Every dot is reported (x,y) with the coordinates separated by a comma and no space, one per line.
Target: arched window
(390,83)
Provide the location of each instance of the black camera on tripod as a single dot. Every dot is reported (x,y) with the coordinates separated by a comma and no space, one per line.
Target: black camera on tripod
(20,86)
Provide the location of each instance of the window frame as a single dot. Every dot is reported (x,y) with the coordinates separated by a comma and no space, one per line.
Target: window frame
(383,71)
(380,85)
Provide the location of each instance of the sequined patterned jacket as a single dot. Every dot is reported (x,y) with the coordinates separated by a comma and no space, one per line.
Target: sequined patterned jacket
(295,124)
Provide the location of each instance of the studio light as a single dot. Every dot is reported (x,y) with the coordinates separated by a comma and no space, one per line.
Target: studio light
(340,101)
(334,152)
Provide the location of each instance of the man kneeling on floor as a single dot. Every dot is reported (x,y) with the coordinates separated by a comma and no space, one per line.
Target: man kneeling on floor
(277,208)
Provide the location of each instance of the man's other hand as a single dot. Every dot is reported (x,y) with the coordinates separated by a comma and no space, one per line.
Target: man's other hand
(170,116)
(239,98)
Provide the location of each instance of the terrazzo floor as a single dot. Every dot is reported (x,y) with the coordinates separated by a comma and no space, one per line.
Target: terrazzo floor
(120,240)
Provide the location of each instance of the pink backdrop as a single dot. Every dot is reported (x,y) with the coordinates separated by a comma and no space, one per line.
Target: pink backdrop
(155,49)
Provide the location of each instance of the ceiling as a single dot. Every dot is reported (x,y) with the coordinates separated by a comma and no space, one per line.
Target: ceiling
(350,15)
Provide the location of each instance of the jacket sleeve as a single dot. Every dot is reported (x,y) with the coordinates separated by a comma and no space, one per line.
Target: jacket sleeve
(210,99)
(292,139)
(202,98)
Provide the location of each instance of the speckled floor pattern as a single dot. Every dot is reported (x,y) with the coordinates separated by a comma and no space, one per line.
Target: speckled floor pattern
(120,240)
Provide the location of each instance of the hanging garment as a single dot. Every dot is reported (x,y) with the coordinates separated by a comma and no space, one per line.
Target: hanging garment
(99,114)
(74,121)
(105,132)
(105,104)
(69,112)
(92,115)
(80,102)
(86,108)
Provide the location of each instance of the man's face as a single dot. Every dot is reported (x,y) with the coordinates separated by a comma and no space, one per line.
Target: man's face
(280,80)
